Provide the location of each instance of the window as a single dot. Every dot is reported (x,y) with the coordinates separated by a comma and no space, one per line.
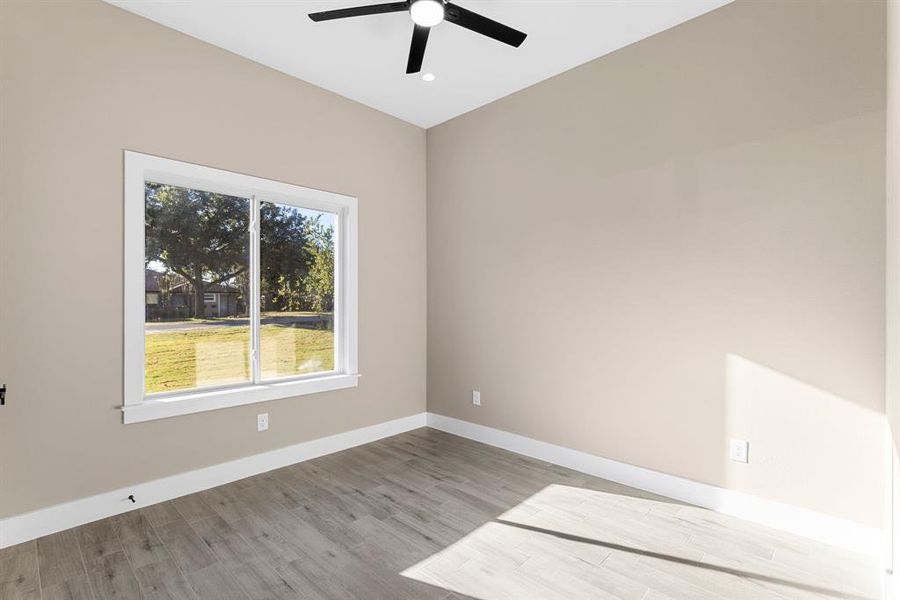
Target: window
(237,289)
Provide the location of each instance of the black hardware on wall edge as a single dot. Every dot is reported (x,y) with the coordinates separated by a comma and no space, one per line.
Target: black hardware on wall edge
(2,394)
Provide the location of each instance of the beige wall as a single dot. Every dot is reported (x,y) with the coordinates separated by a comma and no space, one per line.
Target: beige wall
(676,244)
(81,81)
(892,391)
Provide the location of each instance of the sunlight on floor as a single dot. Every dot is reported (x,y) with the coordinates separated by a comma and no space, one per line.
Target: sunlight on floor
(569,542)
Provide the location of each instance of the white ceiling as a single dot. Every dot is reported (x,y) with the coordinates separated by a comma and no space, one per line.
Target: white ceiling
(364,58)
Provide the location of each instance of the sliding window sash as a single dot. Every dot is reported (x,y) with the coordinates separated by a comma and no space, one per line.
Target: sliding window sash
(255,313)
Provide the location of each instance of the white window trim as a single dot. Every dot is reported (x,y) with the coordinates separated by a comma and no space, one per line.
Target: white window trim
(140,168)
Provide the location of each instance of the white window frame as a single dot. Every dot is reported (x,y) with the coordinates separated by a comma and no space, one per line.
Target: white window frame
(138,406)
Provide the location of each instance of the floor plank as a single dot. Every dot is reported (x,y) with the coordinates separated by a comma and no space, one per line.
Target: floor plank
(111,577)
(19,572)
(139,540)
(188,550)
(98,539)
(214,582)
(78,588)
(59,557)
(163,580)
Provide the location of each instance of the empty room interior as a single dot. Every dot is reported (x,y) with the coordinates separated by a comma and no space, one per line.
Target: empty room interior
(445,300)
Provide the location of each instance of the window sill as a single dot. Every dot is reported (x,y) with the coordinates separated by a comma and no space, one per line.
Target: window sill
(184,404)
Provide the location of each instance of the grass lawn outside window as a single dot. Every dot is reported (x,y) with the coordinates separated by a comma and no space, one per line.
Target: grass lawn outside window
(178,360)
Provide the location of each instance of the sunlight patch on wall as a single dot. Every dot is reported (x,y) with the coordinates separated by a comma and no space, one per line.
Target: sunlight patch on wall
(777,413)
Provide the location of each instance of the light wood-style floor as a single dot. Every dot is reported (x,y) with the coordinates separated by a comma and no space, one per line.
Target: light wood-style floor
(427,515)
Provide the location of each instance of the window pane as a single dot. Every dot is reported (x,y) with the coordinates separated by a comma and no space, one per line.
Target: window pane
(296,291)
(197,328)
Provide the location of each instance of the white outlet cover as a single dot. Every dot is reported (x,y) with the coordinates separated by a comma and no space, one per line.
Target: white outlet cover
(476,397)
(262,422)
(739,450)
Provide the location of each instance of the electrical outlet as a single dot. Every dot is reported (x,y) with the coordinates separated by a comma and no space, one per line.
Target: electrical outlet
(262,422)
(476,397)
(739,451)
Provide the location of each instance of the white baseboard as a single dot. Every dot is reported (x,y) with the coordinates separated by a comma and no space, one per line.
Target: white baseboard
(818,526)
(793,519)
(29,526)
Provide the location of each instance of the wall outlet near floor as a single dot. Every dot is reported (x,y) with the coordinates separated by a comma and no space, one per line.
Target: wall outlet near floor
(476,397)
(739,451)
(262,422)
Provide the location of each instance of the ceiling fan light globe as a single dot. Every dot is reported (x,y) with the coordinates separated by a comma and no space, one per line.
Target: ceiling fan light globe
(427,13)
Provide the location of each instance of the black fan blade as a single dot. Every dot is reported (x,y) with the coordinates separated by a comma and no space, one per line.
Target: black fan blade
(417,49)
(483,25)
(359,11)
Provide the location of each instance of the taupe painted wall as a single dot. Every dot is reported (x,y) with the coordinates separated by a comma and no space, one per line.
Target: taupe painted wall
(676,244)
(81,81)
(892,391)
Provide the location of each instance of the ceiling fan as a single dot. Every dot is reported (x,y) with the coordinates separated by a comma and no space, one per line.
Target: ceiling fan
(425,15)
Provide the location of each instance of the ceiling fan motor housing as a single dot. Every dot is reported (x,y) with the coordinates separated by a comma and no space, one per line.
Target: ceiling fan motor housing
(427,13)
